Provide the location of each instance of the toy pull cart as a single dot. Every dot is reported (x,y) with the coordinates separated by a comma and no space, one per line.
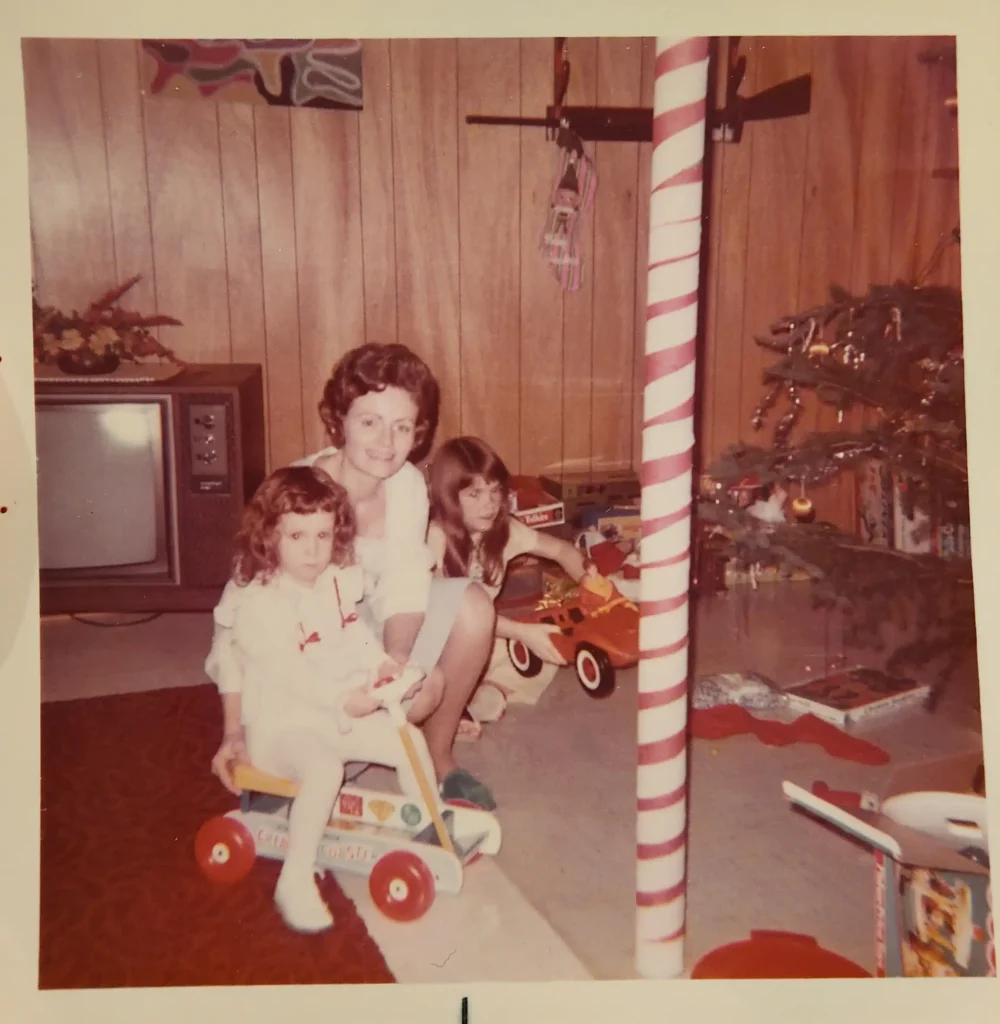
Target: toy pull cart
(410,846)
(598,634)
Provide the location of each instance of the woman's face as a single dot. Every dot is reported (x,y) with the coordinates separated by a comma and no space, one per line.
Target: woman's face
(480,504)
(379,431)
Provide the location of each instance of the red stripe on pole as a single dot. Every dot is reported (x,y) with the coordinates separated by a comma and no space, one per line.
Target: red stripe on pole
(670,305)
(680,56)
(673,936)
(662,697)
(671,122)
(680,412)
(651,526)
(663,652)
(663,801)
(666,604)
(662,750)
(689,176)
(669,360)
(658,899)
(659,471)
(664,562)
(650,851)
(675,259)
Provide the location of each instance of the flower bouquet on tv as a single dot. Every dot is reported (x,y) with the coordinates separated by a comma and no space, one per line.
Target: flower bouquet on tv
(100,338)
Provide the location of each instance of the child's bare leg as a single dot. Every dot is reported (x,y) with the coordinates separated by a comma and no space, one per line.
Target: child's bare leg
(319,771)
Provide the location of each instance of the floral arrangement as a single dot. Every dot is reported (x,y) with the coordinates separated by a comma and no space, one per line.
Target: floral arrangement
(97,340)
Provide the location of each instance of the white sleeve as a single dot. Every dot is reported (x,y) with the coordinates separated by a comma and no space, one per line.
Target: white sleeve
(405,582)
(222,665)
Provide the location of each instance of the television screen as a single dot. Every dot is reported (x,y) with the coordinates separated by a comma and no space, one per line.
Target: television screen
(101,488)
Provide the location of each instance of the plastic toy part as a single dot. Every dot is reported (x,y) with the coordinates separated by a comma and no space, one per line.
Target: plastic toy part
(595,671)
(224,850)
(527,663)
(768,954)
(401,886)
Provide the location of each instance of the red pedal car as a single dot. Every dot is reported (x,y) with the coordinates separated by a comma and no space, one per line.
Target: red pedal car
(598,634)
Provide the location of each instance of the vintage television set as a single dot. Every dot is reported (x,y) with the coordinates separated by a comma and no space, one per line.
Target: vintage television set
(141,487)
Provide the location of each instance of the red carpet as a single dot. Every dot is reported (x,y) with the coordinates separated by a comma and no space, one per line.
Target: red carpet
(125,787)
(729,720)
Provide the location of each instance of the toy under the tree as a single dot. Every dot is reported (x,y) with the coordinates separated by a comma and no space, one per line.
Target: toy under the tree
(897,352)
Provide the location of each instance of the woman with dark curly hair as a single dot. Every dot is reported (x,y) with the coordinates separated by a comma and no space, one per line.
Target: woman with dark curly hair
(380,408)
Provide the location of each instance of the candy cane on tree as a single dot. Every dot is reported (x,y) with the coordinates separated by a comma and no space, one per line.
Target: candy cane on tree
(675,210)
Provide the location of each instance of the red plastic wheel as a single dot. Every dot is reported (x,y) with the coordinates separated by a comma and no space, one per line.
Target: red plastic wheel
(224,850)
(401,886)
(527,663)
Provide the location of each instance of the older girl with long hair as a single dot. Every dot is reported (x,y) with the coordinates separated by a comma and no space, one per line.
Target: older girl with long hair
(473,535)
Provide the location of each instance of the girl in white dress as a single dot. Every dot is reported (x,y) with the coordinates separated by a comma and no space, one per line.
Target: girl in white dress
(472,533)
(308,664)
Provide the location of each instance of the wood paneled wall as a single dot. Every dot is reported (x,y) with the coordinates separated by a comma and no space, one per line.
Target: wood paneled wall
(285,237)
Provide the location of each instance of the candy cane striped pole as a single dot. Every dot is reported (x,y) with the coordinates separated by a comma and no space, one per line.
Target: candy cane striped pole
(681,83)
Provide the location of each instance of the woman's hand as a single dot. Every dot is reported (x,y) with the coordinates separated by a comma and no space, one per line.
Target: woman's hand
(233,751)
(536,636)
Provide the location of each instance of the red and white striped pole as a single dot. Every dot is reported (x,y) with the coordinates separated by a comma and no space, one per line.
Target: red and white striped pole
(681,84)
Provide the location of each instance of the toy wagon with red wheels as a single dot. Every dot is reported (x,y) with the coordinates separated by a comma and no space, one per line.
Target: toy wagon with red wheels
(391,838)
(598,634)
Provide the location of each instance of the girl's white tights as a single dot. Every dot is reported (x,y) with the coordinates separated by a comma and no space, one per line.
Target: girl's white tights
(315,757)
(307,757)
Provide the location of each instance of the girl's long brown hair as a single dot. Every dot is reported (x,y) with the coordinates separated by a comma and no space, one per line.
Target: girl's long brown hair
(456,465)
(301,490)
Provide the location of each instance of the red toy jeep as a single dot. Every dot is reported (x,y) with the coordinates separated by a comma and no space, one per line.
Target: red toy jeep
(599,633)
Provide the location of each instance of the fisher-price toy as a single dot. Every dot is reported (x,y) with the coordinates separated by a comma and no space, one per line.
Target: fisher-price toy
(599,633)
(410,846)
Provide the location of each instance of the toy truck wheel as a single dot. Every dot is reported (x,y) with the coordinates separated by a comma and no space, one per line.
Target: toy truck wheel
(595,671)
(527,663)
(401,886)
(224,850)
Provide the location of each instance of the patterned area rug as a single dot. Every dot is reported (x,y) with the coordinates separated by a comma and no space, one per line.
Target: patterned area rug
(125,787)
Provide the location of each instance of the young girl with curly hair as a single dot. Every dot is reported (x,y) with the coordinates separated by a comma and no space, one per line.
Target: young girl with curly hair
(308,664)
(472,533)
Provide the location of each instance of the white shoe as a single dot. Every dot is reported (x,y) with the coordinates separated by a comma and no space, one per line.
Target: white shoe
(299,901)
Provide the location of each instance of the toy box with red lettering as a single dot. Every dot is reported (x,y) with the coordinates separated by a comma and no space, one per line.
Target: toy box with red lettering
(933,910)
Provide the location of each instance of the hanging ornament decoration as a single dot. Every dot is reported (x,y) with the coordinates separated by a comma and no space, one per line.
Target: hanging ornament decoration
(788,421)
(802,508)
(766,404)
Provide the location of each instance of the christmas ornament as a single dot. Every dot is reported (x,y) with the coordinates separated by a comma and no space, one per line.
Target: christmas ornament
(803,510)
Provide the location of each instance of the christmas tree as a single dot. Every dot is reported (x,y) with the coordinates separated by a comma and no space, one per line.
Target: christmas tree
(897,353)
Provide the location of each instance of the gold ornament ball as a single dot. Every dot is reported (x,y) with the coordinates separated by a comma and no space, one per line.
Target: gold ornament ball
(803,509)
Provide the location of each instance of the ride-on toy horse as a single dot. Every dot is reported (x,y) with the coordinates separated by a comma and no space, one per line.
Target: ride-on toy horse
(410,845)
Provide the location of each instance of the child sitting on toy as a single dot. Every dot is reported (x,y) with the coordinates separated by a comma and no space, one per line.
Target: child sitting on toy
(472,533)
(308,666)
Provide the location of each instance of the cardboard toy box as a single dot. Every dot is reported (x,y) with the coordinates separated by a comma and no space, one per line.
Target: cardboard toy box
(933,911)
(580,492)
(533,504)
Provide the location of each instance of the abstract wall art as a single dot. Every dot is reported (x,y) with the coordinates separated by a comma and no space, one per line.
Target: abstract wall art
(324,73)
